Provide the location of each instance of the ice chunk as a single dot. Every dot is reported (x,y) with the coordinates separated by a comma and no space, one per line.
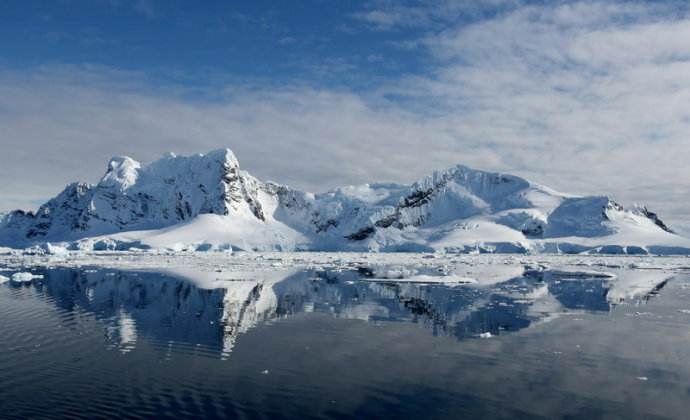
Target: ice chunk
(53,249)
(25,277)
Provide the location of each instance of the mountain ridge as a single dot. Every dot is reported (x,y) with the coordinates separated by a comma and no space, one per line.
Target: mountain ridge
(205,201)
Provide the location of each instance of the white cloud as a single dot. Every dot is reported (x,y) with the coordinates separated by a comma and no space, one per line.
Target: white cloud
(386,15)
(588,97)
(63,127)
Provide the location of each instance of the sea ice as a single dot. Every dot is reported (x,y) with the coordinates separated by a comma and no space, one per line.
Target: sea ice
(24,277)
(52,249)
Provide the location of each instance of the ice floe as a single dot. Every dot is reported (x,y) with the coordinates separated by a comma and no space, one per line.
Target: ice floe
(24,277)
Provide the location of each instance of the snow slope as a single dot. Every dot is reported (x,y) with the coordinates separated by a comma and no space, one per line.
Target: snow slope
(205,202)
(208,232)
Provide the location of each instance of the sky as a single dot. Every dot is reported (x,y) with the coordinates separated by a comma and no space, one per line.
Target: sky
(588,97)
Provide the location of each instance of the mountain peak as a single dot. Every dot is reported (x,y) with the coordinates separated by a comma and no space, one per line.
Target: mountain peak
(122,173)
(224,155)
(204,201)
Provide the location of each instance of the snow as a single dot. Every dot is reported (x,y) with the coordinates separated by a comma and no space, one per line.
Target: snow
(210,269)
(544,198)
(205,202)
(213,232)
(474,233)
(54,249)
(579,216)
(629,230)
(122,173)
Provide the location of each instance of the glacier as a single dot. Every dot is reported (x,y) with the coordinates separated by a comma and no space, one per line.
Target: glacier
(205,202)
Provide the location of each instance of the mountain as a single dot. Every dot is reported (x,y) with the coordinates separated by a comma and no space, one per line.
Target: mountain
(205,202)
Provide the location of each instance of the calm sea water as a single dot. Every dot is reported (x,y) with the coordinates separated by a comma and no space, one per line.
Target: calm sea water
(100,343)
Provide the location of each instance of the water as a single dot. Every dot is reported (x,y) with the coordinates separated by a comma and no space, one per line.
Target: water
(96,343)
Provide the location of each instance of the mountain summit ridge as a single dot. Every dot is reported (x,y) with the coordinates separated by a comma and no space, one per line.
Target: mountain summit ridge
(205,201)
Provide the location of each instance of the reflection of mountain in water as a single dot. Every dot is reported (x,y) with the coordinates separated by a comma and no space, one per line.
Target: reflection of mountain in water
(132,305)
(169,309)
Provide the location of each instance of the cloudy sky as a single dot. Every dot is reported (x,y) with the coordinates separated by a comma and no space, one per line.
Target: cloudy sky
(588,97)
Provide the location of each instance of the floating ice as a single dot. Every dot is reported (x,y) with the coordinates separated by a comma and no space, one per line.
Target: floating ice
(59,250)
(25,277)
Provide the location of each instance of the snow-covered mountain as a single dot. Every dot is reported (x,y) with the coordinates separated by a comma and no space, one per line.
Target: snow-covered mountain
(206,202)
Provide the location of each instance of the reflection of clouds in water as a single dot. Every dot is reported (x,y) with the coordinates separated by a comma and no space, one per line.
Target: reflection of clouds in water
(213,309)
(554,370)
(544,306)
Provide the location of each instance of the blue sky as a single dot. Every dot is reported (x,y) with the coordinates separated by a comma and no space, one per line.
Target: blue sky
(589,97)
(204,45)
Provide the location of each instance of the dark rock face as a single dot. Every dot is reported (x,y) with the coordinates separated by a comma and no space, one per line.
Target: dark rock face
(417,198)
(655,218)
(536,231)
(361,234)
(167,192)
(178,189)
(324,227)
(389,221)
(232,185)
(69,209)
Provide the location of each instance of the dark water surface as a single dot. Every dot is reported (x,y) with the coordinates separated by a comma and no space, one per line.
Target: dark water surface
(317,344)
